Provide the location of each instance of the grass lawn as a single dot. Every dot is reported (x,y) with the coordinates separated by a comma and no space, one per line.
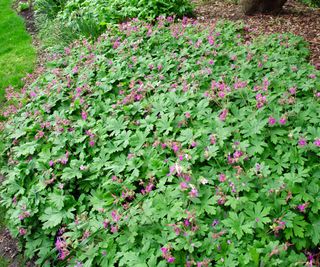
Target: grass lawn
(17,55)
(17,58)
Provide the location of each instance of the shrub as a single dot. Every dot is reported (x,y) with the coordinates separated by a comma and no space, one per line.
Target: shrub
(168,145)
(89,18)
(312,3)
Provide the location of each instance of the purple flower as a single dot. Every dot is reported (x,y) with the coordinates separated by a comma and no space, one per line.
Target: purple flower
(302,142)
(84,115)
(258,167)
(222,178)
(105,224)
(115,216)
(272,121)
(51,163)
(171,259)
(215,223)
(283,121)
(212,140)
(22,231)
(183,186)
(302,207)
(75,70)
(317,142)
(33,94)
(293,90)
(193,192)
(175,147)
(211,40)
(114,229)
(223,115)
(164,250)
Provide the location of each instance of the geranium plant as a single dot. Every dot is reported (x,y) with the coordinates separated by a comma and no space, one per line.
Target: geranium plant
(168,145)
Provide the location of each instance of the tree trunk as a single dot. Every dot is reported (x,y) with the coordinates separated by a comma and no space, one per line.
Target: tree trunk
(250,7)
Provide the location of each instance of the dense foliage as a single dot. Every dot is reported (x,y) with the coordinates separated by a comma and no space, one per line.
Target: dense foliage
(73,18)
(168,144)
(312,3)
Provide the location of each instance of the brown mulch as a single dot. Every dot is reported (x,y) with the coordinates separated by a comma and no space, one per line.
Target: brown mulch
(295,18)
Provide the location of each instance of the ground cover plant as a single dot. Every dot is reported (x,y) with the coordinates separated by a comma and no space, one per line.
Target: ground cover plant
(168,145)
(17,55)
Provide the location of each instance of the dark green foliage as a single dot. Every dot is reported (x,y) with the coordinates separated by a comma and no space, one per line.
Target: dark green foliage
(89,18)
(312,3)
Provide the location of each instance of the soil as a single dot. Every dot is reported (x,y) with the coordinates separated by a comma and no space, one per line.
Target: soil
(295,18)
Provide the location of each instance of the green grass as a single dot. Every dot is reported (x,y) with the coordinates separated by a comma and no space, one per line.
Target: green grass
(17,55)
(3,262)
(17,58)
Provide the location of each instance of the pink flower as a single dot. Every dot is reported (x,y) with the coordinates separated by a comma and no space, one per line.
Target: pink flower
(84,115)
(91,143)
(114,229)
(183,186)
(51,163)
(171,259)
(223,115)
(186,222)
(193,192)
(22,231)
(222,178)
(105,224)
(175,147)
(212,139)
(83,168)
(302,207)
(293,90)
(302,142)
(272,121)
(211,40)
(221,94)
(283,121)
(188,115)
(39,135)
(164,250)
(75,70)
(33,94)
(115,216)
(317,142)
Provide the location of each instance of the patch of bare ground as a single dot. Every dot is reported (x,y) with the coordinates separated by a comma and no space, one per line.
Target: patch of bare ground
(295,18)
